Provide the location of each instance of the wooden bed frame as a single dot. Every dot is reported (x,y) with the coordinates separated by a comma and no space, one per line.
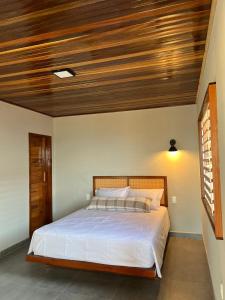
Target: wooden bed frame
(138,182)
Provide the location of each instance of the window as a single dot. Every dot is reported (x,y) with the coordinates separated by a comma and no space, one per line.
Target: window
(209,160)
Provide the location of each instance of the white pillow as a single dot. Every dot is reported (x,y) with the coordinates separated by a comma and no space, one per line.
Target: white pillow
(112,192)
(154,194)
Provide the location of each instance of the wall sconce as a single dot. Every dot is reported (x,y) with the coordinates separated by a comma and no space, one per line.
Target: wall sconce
(172,146)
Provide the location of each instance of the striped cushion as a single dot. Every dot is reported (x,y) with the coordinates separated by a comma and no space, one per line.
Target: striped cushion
(136,204)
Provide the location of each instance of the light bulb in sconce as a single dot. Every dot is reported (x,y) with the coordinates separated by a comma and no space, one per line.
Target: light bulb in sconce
(172,154)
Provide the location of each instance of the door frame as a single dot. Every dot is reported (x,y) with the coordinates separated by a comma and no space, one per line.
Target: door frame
(48,176)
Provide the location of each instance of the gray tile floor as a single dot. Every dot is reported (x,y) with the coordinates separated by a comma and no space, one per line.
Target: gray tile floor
(185,277)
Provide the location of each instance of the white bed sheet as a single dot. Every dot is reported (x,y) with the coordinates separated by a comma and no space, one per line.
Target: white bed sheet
(115,238)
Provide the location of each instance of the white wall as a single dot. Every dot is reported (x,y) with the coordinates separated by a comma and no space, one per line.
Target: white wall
(129,143)
(214,71)
(15,124)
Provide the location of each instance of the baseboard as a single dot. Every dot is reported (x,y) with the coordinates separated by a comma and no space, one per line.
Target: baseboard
(13,248)
(187,235)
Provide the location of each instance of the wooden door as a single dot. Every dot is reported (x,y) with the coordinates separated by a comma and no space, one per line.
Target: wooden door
(40,158)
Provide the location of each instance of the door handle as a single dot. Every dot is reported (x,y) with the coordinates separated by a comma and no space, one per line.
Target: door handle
(44,176)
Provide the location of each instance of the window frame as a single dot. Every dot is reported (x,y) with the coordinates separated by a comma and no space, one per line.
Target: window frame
(210,104)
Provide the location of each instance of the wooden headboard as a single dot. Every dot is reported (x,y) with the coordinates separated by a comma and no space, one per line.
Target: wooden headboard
(135,182)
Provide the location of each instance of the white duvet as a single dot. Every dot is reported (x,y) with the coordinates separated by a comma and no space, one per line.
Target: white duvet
(114,238)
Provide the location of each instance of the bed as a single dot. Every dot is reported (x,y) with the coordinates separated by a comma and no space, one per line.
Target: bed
(125,243)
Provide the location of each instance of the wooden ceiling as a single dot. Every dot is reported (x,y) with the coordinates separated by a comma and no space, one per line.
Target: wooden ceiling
(128,54)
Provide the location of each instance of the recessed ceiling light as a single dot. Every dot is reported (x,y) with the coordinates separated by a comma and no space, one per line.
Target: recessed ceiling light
(65,73)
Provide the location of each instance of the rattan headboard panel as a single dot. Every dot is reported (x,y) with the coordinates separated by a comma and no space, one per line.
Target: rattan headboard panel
(135,182)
